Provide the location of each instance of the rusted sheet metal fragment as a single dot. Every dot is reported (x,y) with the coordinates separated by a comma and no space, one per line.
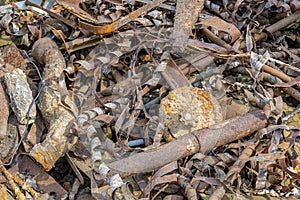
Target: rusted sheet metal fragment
(237,167)
(107,53)
(46,7)
(20,95)
(46,4)
(187,13)
(10,57)
(221,25)
(275,27)
(35,133)
(44,181)
(19,186)
(174,76)
(295,5)
(121,22)
(57,110)
(201,140)
(82,43)
(159,177)
(73,6)
(9,142)
(4,112)
(164,6)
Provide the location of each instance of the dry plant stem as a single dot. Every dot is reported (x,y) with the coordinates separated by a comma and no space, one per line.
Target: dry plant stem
(198,141)
(275,27)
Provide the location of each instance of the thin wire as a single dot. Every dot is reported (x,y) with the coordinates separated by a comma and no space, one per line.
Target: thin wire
(25,132)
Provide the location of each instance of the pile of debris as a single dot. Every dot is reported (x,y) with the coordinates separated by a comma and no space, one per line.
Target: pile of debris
(161,99)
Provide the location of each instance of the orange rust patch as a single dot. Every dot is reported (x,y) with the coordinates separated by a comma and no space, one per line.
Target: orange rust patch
(187,109)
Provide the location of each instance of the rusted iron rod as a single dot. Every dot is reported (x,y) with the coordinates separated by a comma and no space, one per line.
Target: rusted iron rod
(58,113)
(275,27)
(198,141)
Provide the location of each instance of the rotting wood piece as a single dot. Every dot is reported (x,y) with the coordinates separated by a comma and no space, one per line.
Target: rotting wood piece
(57,109)
(201,140)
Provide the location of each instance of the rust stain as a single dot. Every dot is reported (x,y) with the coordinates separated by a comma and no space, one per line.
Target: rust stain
(187,109)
